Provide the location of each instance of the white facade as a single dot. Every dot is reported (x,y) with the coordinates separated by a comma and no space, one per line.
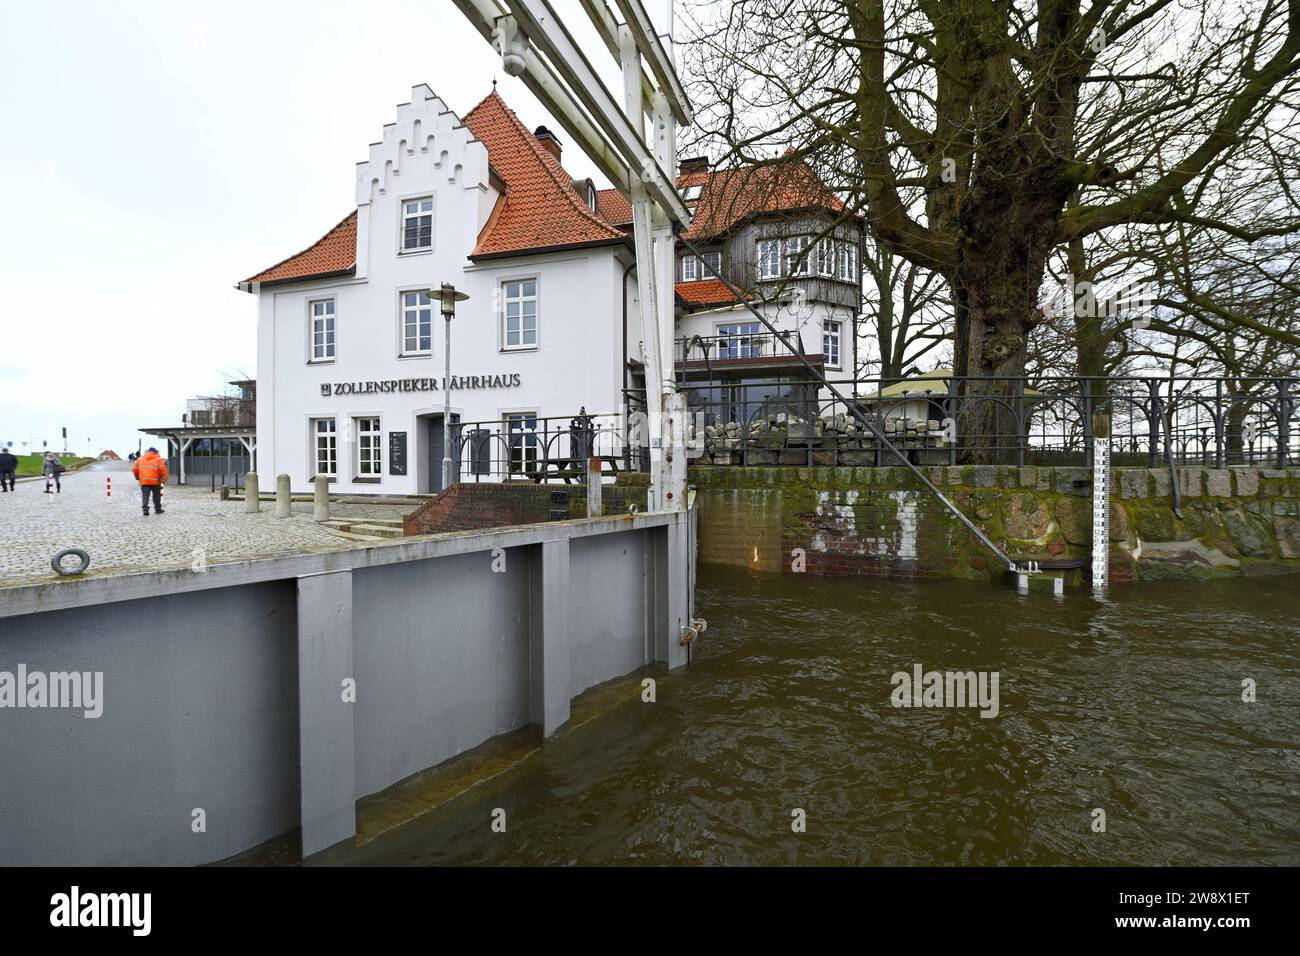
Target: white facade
(367,378)
(351,362)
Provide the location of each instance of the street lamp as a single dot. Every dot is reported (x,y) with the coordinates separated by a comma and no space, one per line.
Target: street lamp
(448,296)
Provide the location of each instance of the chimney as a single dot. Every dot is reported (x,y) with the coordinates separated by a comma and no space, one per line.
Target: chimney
(548,141)
(696,164)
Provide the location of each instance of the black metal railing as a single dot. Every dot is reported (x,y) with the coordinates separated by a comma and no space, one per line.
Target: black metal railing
(1025,421)
(535,448)
(733,347)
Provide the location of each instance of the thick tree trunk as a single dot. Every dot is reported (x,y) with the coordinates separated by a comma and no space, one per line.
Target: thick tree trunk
(1001,257)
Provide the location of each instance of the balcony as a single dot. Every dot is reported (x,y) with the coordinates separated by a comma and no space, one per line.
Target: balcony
(701,354)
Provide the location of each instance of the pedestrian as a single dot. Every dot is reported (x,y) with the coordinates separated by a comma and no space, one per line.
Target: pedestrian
(8,465)
(52,469)
(150,469)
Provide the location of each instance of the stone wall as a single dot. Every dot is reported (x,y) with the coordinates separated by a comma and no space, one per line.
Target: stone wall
(787,439)
(883,522)
(470,506)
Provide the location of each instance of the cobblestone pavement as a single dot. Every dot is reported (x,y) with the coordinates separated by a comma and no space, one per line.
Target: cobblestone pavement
(120,539)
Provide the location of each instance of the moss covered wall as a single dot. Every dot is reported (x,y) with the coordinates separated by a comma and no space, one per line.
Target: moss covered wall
(882,521)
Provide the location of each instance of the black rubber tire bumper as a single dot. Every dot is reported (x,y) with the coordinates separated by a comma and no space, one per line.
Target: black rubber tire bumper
(83,557)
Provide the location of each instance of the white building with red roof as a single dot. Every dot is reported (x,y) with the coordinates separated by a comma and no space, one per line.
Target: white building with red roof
(351,360)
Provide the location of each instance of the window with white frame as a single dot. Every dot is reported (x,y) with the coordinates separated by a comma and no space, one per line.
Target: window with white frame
(692,192)
(326,443)
(739,340)
(368,448)
(826,257)
(831,343)
(796,263)
(690,268)
(711,267)
(848,264)
(521,437)
(417,224)
(520,316)
(769,258)
(322,330)
(417,323)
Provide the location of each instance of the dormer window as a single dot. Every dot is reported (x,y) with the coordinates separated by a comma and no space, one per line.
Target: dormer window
(591,196)
(417,224)
(692,192)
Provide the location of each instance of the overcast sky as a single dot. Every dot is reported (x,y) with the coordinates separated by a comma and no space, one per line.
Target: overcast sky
(154,153)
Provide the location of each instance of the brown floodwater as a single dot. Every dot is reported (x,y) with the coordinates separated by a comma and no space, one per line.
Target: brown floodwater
(1130,703)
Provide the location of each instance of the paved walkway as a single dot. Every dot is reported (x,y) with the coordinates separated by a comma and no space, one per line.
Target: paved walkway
(34,526)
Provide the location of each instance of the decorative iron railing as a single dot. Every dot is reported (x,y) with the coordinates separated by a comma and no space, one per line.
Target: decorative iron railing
(1025,421)
(728,347)
(535,448)
(938,421)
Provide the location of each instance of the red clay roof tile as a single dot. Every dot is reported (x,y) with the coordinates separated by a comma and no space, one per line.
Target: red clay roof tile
(541,207)
(730,196)
(707,292)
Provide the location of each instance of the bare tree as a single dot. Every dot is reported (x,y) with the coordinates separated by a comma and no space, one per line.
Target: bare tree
(978,136)
(909,313)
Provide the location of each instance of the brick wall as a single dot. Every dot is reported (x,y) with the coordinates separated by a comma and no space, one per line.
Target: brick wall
(883,522)
(470,506)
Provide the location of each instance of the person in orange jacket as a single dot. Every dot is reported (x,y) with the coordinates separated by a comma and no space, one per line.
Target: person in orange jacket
(150,469)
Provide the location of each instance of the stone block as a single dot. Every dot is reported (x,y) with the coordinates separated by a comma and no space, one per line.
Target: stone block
(1183,560)
(1045,480)
(1287,529)
(1074,515)
(1248,534)
(1118,522)
(1134,483)
(986,476)
(1073,481)
(1247,482)
(1218,483)
(1155,523)
(1189,482)
(1024,516)
(1162,486)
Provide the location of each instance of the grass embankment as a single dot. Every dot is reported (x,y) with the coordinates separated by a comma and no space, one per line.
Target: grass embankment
(31,464)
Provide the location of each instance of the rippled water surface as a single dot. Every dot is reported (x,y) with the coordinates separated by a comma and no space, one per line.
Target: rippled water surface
(1130,703)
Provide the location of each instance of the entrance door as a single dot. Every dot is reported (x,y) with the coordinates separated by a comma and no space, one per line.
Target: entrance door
(434,444)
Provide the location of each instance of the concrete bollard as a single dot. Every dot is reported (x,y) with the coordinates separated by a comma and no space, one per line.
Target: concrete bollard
(594,507)
(282,496)
(321,498)
(251,502)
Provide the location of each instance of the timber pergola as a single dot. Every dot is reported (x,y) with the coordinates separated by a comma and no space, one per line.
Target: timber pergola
(184,437)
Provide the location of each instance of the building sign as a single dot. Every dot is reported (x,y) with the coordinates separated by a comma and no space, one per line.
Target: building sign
(458,383)
(397,453)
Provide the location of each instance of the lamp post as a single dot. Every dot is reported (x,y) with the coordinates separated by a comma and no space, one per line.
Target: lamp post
(448,296)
